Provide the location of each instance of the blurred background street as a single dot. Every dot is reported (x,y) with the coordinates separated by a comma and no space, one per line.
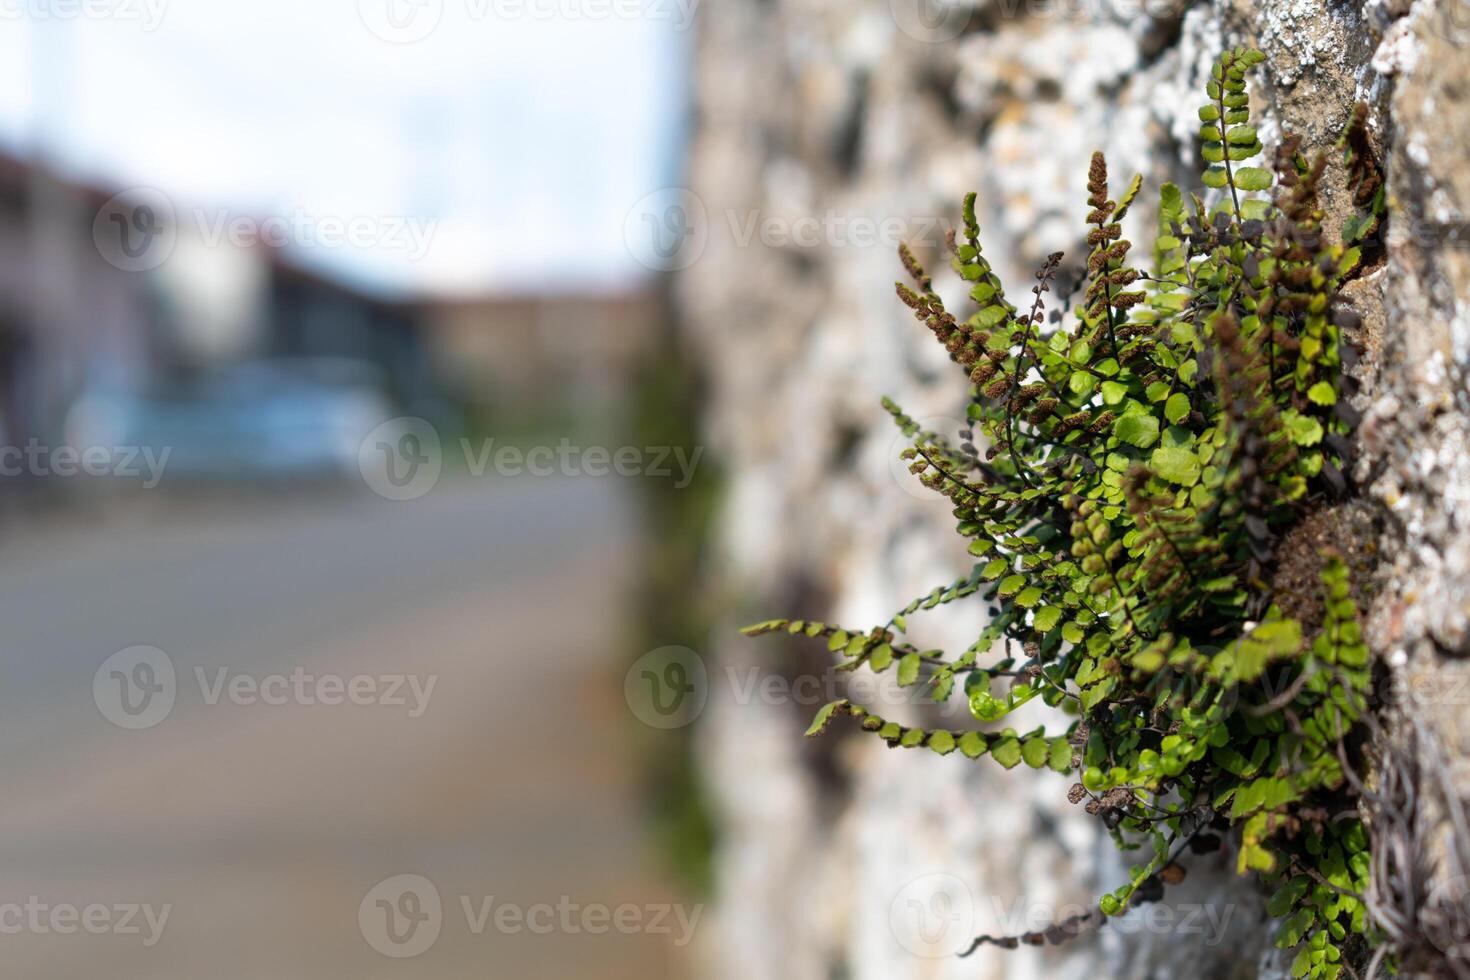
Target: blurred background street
(281,286)
(264,825)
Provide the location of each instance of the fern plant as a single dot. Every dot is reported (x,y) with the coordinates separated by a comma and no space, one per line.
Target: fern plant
(1148,453)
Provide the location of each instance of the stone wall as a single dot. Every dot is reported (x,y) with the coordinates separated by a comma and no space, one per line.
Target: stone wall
(826,130)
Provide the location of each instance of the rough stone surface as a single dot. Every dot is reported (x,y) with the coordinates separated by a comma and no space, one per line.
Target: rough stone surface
(826,133)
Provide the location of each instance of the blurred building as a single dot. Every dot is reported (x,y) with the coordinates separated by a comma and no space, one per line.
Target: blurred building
(313,316)
(508,352)
(79,316)
(123,319)
(67,318)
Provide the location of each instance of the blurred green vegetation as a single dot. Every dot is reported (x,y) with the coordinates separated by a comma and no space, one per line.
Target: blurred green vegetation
(673,607)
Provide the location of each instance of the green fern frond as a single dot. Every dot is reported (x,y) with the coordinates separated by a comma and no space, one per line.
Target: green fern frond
(1143,460)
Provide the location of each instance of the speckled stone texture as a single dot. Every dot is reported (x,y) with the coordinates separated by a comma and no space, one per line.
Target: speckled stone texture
(870,122)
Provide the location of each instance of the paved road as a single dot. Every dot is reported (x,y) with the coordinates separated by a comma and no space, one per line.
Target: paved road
(264,827)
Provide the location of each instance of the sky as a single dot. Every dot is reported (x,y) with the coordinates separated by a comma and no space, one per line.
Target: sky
(513,136)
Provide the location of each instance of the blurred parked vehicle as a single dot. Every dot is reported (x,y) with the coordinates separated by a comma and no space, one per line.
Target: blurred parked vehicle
(278,419)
